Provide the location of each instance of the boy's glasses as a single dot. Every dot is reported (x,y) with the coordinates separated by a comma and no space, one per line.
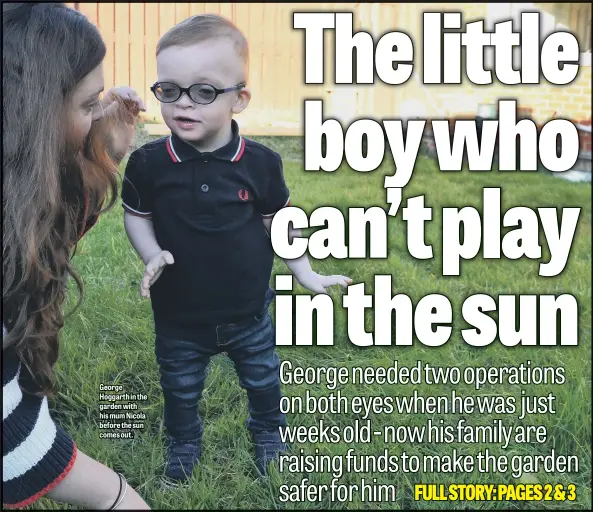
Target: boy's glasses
(204,94)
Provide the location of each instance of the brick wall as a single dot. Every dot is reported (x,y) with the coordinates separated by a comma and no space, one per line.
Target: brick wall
(544,101)
(585,138)
(571,101)
(547,101)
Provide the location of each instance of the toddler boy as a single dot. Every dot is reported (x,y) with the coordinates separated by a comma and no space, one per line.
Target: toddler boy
(198,209)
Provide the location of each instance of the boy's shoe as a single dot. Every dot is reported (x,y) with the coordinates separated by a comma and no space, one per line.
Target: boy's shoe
(268,446)
(182,457)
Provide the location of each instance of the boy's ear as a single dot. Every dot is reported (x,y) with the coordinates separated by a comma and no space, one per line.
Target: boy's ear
(242,100)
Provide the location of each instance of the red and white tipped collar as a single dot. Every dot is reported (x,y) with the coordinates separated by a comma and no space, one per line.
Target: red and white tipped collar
(180,151)
(171,150)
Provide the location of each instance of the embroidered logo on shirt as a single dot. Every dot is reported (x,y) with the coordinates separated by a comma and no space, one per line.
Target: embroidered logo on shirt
(244,194)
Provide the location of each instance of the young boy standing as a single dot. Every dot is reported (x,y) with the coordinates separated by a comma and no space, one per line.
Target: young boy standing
(198,210)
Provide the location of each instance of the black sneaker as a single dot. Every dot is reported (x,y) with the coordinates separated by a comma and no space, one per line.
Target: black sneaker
(182,457)
(268,446)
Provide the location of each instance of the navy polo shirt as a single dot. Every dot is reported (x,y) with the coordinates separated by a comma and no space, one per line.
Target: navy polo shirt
(206,210)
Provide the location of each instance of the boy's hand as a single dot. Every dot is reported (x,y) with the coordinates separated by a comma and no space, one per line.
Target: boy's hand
(318,283)
(154,269)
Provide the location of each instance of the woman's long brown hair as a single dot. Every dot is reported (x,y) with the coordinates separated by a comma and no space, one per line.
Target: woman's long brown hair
(51,185)
(100,161)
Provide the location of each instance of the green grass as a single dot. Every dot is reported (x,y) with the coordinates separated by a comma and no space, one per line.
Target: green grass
(110,341)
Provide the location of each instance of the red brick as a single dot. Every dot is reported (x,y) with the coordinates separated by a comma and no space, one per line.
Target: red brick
(584,140)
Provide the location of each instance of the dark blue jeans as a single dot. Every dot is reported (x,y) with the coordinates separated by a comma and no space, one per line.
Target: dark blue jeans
(250,344)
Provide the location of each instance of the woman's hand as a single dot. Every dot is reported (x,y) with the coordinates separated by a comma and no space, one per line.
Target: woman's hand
(121,140)
(122,128)
(124,92)
(92,485)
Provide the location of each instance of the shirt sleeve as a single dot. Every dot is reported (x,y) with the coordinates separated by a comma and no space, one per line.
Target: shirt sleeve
(137,189)
(277,194)
(37,454)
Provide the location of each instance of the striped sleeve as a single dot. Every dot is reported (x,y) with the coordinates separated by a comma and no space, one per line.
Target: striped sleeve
(36,453)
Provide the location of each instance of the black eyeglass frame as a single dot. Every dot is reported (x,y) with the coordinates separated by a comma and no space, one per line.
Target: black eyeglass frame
(186,90)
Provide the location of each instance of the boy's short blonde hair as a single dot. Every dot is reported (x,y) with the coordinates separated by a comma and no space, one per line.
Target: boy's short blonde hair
(202,27)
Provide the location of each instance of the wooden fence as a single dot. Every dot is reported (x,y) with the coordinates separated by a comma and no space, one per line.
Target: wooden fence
(131,32)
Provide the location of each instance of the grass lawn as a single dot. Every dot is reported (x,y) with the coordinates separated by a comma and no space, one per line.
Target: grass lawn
(110,341)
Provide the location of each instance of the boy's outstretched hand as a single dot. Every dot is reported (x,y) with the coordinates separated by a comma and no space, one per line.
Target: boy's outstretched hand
(318,283)
(154,269)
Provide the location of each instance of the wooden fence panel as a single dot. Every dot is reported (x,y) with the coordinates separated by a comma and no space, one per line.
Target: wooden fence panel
(106,24)
(201,8)
(151,22)
(276,75)
(166,17)
(91,11)
(122,43)
(138,78)
(181,12)
(226,10)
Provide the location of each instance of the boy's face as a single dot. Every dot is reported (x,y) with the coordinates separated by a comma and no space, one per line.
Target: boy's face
(215,62)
